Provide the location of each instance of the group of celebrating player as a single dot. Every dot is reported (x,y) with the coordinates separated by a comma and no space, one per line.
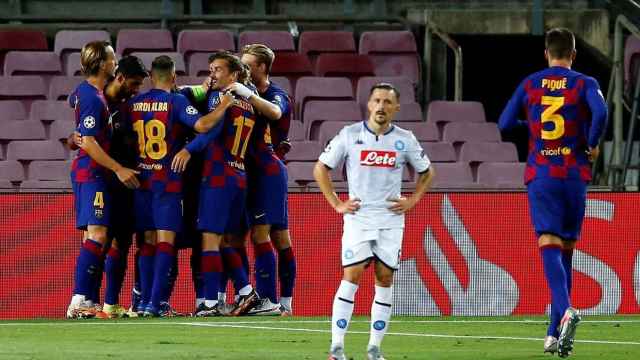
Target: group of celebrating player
(199,166)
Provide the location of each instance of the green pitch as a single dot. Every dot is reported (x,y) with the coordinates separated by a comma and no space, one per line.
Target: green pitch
(308,338)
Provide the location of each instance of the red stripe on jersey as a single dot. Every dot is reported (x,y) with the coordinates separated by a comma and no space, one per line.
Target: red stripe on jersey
(558,171)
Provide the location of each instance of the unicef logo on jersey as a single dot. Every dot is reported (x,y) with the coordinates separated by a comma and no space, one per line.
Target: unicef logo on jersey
(342,323)
(399,145)
(348,254)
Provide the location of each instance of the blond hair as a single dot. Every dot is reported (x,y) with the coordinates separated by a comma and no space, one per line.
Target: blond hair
(263,54)
(92,56)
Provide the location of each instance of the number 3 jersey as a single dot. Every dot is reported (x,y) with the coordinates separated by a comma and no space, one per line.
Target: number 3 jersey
(161,120)
(374,166)
(566,114)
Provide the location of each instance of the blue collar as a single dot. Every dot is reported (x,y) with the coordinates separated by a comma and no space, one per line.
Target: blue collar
(371,131)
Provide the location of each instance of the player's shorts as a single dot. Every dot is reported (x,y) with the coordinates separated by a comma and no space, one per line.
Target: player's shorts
(158,210)
(222,210)
(267,202)
(92,202)
(557,206)
(360,245)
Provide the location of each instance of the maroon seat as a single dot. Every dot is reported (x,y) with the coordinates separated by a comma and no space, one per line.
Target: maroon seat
(452,175)
(317,111)
(147,59)
(189,80)
(49,170)
(61,86)
(439,151)
(499,175)
(7,186)
(45,185)
(11,170)
(138,40)
(292,66)
(278,41)
(283,82)
(36,150)
(319,88)
(455,111)
(393,53)
(72,65)
(304,151)
(410,112)
(329,129)
(21,40)
(477,132)
(71,41)
(12,110)
(302,172)
(422,131)
(25,88)
(314,43)
(403,84)
(52,111)
(352,66)
(297,131)
(199,64)
(60,130)
(207,41)
(22,130)
(32,63)
(488,151)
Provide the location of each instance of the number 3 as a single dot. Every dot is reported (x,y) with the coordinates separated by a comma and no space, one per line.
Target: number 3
(549,114)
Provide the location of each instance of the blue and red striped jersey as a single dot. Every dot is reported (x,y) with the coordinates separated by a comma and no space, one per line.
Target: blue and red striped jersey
(278,131)
(92,119)
(566,114)
(161,121)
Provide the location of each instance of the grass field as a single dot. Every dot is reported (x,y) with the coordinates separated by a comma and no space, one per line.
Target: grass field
(308,338)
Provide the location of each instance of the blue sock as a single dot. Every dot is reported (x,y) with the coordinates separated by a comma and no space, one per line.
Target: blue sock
(173,276)
(233,263)
(211,267)
(567,259)
(196,273)
(146,262)
(165,258)
(557,281)
(87,266)
(224,280)
(286,272)
(113,270)
(265,267)
(242,252)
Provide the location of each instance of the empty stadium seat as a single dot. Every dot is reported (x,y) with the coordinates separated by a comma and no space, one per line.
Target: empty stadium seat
(12,110)
(22,130)
(488,151)
(139,40)
(316,111)
(49,170)
(410,112)
(304,151)
(283,82)
(60,130)
(314,43)
(297,131)
(403,84)
(6,186)
(45,185)
(207,41)
(11,170)
(422,131)
(302,172)
(352,66)
(25,88)
(500,175)
(316,88)
(199,64)
(61,86)
(278,41)
(393,53)
(67,41)
(189,80)
(292,66)
(147,59)
(329,129)
(31,63)
(72,65)
(21,40)
(52,111)
(452,175)
(36,150)
(439,151)
(455,111)
(476,132)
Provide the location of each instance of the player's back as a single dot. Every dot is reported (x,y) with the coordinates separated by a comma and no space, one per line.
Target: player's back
(279,129)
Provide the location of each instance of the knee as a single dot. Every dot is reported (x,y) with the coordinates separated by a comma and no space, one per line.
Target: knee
(384,280)
(280,239)
(98,234)
(549,239)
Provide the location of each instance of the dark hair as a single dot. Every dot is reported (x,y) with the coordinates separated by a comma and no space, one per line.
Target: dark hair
(560,43)
(233,62)
(163,67)
(385,86)
(91,57)
(130,66)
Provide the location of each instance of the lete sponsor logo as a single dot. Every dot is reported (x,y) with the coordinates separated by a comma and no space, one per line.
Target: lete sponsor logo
(378,158)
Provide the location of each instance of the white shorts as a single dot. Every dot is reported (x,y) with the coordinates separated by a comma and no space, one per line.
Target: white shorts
(360,245)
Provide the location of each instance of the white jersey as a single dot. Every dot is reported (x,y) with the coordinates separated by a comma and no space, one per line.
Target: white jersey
(374,170)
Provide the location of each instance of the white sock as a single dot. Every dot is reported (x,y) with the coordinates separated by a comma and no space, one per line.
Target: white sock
(199,301)
(286,302)
(77,299)
(245,290)
(222,297)
(342,310)
(210,303)
(380,314)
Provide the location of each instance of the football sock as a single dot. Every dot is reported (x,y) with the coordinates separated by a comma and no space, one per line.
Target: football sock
(196,274)
(286,273)
(211,267)
(224,282)
(136,270)
(557,281)
(173,275)
(87,267)
(165,258)
(113,269)
(567,259)
(242,252)
(233,263)
(380,314)
(146,263)
(265,271)
(342,310)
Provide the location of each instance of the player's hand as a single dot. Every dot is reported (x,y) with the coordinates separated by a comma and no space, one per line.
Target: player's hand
(241,90)
(76,139)
(401,205)
(206,84)
(128,177)
(593,153)
(283,148)
(227,99)
(348,207)
(179,162)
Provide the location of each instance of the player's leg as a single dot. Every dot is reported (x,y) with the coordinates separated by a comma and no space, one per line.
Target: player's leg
(210,267)
(248,298)
(265,270)
(114,265)
(146,264)
(286,268)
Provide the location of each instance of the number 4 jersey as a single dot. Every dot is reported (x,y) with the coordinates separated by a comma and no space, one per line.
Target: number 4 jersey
(566,114)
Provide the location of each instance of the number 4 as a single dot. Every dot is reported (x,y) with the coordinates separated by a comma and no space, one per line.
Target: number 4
(98,200)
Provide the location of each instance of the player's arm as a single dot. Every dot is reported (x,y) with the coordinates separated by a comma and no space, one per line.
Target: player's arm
(207,122)
(599,115)
(199,143)
(264,107)
(422,165)
(509,117)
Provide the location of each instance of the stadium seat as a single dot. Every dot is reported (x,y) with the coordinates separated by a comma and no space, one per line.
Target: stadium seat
(422,131)
(316,111)
(452,175)
(488,151)
(2,155)
(283,82)
(439,151)
(393,53)
(11,170)
(52,111)
(456,132)
(292,66)
(352,66)
(22,130)
(32,63)
(147,59)
(455,111)
(410,112)
(278,41)
(297,131)
(68,41)
(21,40)
(304,151)
(36,150)
(206,41)
(302,172)
(6,186)
(314,43)
(49,170)
(329,129)
(199,64)
(319,88)
(139,40)
(499,175)
(631,47)
(60,130)
(45,186)
(404,86)
(25,88)
(61,86)
(72,65)
(189,80)
(12,110)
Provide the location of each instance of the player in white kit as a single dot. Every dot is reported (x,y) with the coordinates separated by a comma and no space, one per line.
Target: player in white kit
(375,153)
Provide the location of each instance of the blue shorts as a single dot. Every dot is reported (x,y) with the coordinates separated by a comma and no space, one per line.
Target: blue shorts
(123,224)
(93,203)
(557,206)
(222,210)
(158,210)
(267,202)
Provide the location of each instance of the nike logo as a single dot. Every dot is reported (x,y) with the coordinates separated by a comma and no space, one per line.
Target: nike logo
(259,216)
